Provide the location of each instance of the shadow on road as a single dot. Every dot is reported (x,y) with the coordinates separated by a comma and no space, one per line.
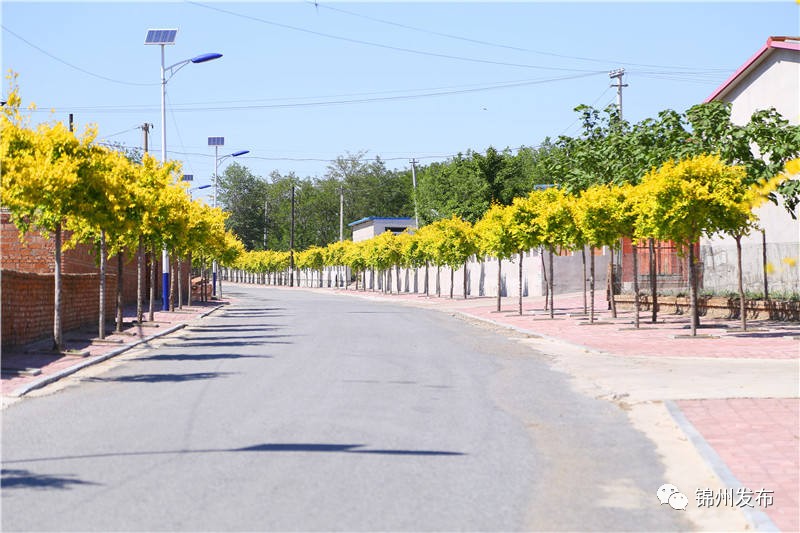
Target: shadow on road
(236,329)
(302,447)
(25,479)
(201,357)
(162,378)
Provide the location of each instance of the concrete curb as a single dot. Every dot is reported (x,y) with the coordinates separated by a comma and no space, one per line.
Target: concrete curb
(52,378)
(758,520)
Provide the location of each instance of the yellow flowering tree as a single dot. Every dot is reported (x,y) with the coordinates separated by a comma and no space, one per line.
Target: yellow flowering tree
(496,237)
(681,201)
(46,172)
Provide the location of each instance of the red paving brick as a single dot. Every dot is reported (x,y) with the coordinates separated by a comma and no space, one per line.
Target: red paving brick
(761,455)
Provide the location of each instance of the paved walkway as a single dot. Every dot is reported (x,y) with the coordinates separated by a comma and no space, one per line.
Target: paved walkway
(748,434)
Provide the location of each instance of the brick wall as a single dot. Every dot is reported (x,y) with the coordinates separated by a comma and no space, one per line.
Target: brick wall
(27,285)
(27,304)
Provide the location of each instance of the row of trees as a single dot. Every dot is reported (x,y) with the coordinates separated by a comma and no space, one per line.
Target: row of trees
(607,151)
(67,185)
(678,201)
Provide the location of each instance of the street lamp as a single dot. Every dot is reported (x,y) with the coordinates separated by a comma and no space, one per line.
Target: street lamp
(197,189)
(162,38)
(216,142)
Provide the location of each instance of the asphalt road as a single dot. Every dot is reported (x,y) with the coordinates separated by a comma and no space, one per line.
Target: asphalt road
(293,410)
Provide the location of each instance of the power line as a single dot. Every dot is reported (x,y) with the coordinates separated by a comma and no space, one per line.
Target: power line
(505,46)
(386,46)
(322,103)
(48,54)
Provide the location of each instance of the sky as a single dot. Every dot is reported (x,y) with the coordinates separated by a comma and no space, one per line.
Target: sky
(302,82)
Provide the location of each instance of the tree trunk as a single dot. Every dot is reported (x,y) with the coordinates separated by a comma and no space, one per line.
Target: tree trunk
(452,280)
(552,285)
(140,282)
(58,339)
(635,250)
(189,282)
(546,281)
(692,291)
(499,283)
(653,282)
(180,284)
(219,283)
(591,283)
(438,281)
(172,265)
(611,278)
(101,318)
(427,289)
(742,303)
(466,283)
(583,264)
(764,262)
(152,303)
(520,282)
(120,310)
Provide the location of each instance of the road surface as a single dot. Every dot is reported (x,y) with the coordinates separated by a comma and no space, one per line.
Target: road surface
(299,410)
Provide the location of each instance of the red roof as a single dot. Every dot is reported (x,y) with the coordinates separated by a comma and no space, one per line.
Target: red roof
(785,43)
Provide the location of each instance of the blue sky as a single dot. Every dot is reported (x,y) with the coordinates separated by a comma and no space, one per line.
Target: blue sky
(302,83)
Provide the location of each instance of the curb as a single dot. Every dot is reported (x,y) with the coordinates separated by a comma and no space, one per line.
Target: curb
(758,520)
(52,378)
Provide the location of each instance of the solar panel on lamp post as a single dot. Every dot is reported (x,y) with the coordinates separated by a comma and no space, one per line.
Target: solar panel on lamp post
(216,142)
(163,37)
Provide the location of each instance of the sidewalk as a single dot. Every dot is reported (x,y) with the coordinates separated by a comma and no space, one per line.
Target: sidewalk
(734,395)
(32,366)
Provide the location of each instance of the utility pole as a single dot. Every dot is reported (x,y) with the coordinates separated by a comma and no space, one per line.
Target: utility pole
(265,224)
(291,244)
(146,131)
(140,259)
(619,85)
(341,213)
(70,123)
(414,184)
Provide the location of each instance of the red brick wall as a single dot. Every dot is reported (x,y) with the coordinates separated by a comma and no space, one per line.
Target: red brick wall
(27,304)
(27,285)
(37,255)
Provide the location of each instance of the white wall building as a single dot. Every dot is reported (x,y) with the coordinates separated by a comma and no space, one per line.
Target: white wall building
(770,78)
(369,227)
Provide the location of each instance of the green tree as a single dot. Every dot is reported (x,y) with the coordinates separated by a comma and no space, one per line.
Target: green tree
(243,194)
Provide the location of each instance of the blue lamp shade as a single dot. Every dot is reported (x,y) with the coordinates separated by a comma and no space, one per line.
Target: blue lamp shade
(241,152)
(205,57)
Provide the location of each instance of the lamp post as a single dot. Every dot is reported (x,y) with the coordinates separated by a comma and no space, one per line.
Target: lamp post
(216,142)
(163,37)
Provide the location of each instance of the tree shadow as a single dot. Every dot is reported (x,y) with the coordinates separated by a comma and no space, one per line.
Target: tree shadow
(291,447)
(25,479)
(235,329)
(764,335)
(162,378)
(201,357)
(211,343)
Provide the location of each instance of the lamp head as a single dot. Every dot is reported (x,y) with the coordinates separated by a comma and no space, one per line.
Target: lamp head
(205,57)
(240,152)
